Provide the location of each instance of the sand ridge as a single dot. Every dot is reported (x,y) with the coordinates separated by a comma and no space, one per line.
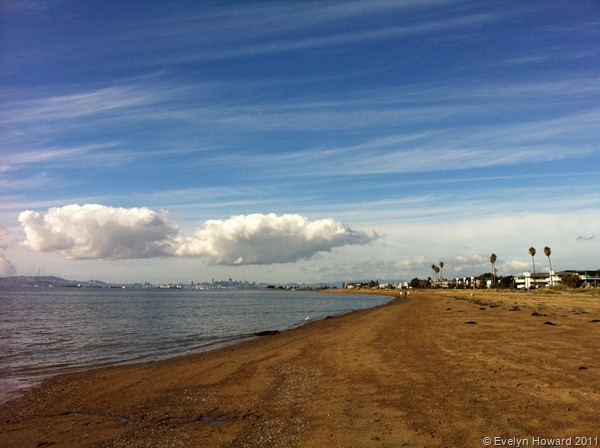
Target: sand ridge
(438,369)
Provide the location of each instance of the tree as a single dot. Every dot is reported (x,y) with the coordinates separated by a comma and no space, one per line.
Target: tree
(433,267)
(532,253)
(493,259)
(505,282)
(571,280)
(372,283)
(548,252)
(437,271)
(441,270)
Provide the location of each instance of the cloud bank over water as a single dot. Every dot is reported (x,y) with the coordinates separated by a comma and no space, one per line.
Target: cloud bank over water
(95,231)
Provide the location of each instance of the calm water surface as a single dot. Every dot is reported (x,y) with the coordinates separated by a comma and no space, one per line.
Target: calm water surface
(45,331)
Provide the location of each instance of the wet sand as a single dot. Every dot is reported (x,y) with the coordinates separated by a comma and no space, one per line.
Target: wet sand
(439,369)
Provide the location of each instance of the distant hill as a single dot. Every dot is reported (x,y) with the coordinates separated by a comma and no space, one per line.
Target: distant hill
(43,281)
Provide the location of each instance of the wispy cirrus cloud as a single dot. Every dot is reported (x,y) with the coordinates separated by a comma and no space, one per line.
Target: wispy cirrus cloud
(75,105)
(230,32)
(167,103)
(90,154)
(442,149)
(346,38)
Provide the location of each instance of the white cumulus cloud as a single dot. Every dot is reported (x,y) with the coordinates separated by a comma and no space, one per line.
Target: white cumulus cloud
(267,239)
(94,231)
(99,232)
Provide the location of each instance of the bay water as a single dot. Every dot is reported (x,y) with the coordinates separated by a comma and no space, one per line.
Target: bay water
(47,331)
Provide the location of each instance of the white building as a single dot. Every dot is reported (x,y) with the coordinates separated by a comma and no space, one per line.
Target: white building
(539,280)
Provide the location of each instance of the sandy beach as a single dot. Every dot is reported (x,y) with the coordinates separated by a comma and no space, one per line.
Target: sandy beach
(439,369)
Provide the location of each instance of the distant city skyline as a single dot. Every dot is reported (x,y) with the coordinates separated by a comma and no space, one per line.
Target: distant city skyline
(297,141)
(568,278)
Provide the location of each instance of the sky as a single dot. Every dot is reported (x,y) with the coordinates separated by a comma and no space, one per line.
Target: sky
(297,141)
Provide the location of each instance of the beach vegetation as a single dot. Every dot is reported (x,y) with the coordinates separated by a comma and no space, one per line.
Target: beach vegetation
(592,291)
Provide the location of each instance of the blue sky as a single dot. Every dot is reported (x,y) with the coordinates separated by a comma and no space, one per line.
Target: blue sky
(297,141)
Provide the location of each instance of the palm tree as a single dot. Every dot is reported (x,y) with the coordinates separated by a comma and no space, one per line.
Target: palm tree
(442,270)
(433,266)
(532,253)
(548,252)
(437,271)
(493,259)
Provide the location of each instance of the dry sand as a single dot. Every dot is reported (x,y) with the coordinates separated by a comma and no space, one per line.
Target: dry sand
(442,369)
